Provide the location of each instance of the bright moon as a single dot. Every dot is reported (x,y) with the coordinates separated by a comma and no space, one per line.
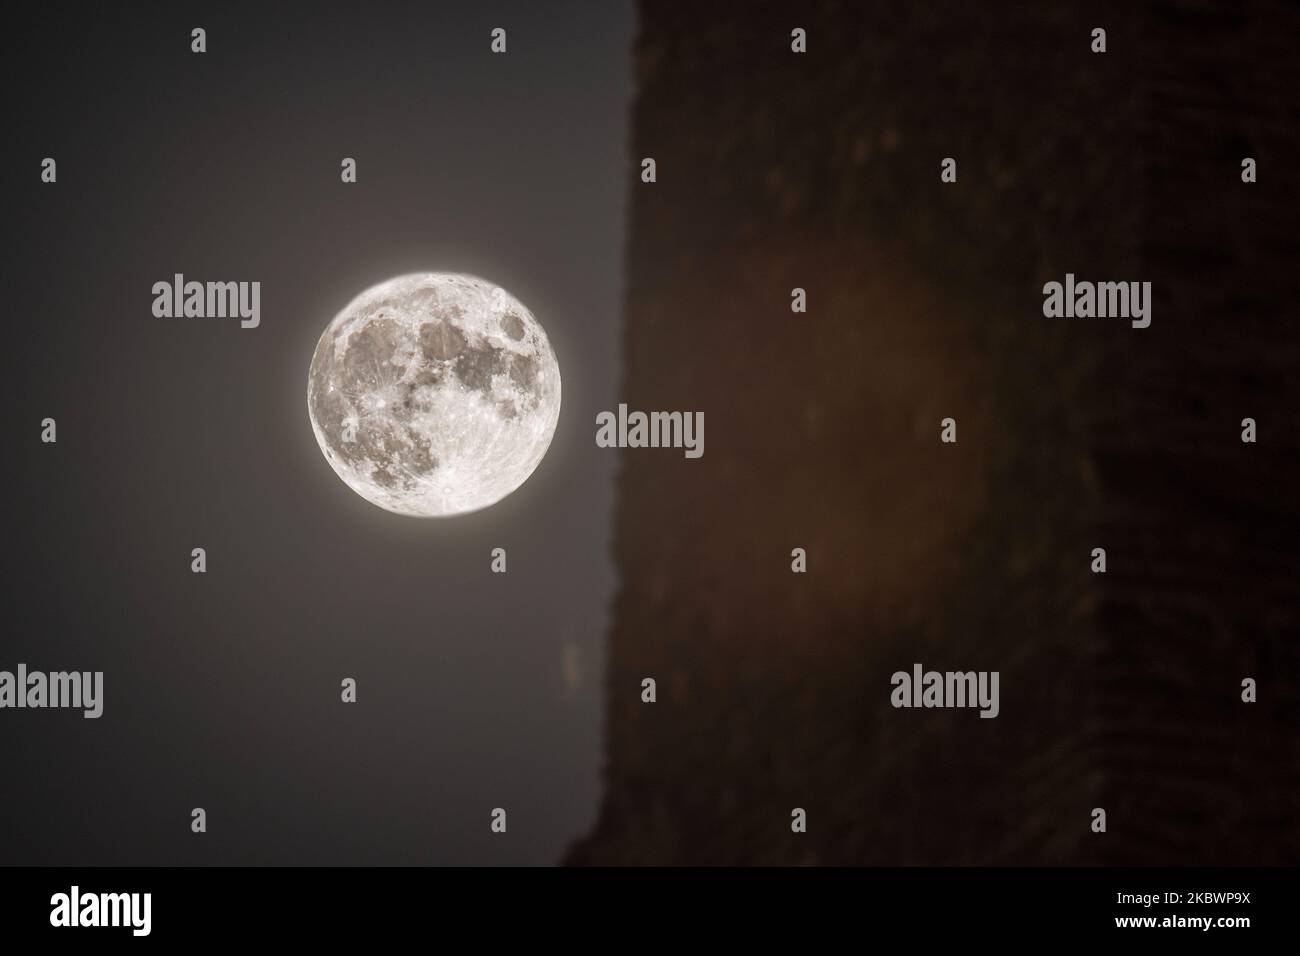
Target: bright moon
(434,394)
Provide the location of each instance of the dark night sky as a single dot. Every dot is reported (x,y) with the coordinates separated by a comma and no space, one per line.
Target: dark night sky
(222,690)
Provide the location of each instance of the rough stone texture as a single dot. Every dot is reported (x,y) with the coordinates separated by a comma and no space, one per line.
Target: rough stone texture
(821,171)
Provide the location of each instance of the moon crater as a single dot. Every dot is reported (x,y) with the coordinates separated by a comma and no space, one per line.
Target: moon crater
(434,394)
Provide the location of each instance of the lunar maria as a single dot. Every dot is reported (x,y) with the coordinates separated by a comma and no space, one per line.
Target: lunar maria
(434,394)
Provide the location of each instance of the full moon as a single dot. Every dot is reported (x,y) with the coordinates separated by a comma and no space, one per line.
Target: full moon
(434,394)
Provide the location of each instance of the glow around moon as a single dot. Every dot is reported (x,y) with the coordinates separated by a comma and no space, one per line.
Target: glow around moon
(434,394)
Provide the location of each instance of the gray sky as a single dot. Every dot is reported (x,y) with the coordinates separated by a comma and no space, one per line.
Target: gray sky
(222,691)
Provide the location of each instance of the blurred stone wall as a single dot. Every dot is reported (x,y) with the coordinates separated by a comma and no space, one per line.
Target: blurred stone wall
(821,171)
